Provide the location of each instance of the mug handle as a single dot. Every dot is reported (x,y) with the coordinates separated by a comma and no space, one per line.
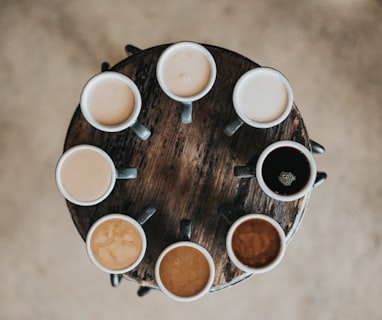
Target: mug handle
(105,66)
(186,112)
(316,147)
(231,128)
(131,49)
(145,214)
(320,178)
(243,172)
(126,173)
(115,279)
(141,131)
(227,214)
(185,230)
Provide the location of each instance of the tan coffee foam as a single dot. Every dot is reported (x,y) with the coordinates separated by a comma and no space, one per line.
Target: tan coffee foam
(116,244)
(184,271)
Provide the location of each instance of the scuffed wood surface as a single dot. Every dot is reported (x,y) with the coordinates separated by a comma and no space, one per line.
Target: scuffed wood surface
(186,171)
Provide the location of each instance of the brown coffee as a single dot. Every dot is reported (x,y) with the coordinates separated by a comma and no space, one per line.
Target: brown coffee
(184,271)
(111,102)
(256,243)
(116,244)
(86,175)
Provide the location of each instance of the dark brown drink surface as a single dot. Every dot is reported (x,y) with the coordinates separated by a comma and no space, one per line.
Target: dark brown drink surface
(184,271)
(286,171)
(256,243)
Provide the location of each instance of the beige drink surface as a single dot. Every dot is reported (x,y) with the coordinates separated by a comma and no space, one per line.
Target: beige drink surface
(184,271)
(186,71)
(86,175)
(262,97)
(111,102)
(116,244)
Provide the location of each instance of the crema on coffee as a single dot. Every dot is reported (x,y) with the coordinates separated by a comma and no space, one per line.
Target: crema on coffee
(116,244)
(184,271)
(256,243)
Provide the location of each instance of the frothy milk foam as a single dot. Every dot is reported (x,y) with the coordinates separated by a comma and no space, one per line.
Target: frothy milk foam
(186,71)
(116,244)
(262,97)
(111,101)
(85,175)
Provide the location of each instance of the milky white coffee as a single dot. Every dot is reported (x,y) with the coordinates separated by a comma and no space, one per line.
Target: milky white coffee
(186,71)
(85,174)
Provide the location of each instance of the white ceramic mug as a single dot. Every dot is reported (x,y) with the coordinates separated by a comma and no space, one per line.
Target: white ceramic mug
(292,170)
(186,72)
(111,102)
(285,171)
(86,175)
(255,243)
(116,243)
(177,275)
(262,98)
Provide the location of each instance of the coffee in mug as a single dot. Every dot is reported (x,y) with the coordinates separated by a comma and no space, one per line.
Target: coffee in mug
(186,71)
(116,243)
(185,271)
(111,102)
(255,243)
(86,175)
(286,170)
(262,98)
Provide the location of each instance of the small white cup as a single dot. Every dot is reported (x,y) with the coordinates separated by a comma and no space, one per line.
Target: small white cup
(86,175)
(161,283)
(186,72)
(262,98)
(294,171)
(111,102)
(259,239)
(117,245)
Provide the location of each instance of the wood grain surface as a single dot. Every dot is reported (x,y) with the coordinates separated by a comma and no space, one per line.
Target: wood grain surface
(186,170)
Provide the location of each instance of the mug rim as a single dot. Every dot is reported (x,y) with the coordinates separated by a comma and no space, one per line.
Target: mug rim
(282,116)
(232,255)
(205,253)
(85,94)
(294,145)
(162,83)
(120,216)
(67,154)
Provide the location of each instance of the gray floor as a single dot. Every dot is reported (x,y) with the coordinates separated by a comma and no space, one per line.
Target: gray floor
(331,52)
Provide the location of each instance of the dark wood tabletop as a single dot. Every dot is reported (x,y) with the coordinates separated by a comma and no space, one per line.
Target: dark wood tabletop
(185,171)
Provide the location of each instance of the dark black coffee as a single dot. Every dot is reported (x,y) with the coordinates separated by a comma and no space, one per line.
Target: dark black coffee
(286,171)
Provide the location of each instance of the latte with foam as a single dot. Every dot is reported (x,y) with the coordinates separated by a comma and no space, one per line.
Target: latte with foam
(116,244)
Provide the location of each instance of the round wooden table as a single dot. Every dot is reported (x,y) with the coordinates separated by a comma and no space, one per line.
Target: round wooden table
(185,171)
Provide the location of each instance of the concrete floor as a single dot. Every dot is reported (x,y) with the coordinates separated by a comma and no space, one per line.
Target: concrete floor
(331,52)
